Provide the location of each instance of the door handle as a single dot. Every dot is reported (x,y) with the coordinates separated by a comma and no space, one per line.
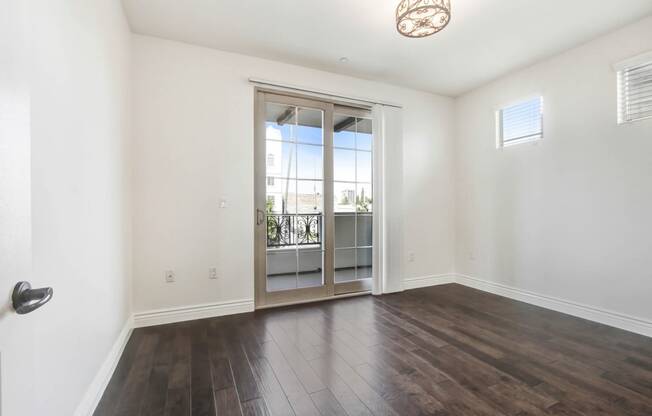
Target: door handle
(26,300)
(260,216)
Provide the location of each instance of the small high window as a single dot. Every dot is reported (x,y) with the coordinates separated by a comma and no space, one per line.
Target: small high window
(520,123)
(635,89)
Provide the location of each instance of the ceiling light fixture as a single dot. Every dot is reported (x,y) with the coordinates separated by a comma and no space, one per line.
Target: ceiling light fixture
(420,18)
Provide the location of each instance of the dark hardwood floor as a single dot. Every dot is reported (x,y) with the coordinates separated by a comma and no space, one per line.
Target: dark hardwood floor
(445,350)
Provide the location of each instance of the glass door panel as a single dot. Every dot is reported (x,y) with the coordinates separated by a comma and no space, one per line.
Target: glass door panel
(294,157)
(352,200)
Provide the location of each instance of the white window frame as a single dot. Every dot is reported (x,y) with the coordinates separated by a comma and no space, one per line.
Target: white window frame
(500,144)
(619,67)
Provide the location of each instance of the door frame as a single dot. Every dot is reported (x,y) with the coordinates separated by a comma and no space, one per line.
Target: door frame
(329,290)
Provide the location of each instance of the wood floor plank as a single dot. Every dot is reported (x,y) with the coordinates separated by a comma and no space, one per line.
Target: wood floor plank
(295,359)
(371,399)
(178,394)
(255,407)
(155,397)
(327,404)
(136,382)
(243,376)
(201,391)
(227,402)
(271,389)
(342,392)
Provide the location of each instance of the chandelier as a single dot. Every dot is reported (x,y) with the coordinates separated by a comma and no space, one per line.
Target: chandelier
(419,18)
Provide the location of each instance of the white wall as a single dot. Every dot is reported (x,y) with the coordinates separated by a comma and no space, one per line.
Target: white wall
(568,217)
(80,192)
(193,124)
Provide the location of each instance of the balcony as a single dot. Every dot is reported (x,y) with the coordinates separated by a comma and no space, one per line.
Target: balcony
(295,249)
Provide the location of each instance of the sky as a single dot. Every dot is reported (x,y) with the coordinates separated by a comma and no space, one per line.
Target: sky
(303,157)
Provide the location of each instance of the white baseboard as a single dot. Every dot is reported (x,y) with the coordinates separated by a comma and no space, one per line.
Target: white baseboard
(96,389)
(189,313)
(615,319)
(425,281)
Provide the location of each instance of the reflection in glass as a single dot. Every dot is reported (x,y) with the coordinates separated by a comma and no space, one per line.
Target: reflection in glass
(310,126)
(343,197)
(363,170)
(344,165)
(280,121)
(363,265)
(364,197)
(344,231)
(309,161)
(311,268)
(344,136)
(364,230)
(280,159)
(363,138)
(281,196)
(344,265)
(281,270)
(309,197)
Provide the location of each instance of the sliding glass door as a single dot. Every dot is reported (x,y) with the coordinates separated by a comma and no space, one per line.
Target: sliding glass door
(352,199)
(313,199)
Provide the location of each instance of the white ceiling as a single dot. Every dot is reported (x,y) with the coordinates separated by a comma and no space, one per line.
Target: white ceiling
(484,40)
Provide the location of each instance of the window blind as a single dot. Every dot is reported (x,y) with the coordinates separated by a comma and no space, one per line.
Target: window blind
(635,92)
(521,122)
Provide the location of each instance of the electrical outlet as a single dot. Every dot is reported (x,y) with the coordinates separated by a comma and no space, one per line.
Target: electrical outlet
(411,256)
(212,273)
(169,276)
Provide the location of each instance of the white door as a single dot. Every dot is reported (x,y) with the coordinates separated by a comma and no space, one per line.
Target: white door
(17,368)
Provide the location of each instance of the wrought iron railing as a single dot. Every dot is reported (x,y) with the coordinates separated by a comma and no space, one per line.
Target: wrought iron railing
(290,230)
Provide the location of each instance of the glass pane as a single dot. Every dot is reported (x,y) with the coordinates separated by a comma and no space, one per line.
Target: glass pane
(364,138)
(280,159)
(363,171)
(280,121)
(281,196)
(343,131)
(343,197)
(344,265)
(309,197)
(310,162)
(344,165)
(310,126)
(344,231)
(364,197)
(281,270)
(311,268)
(309,230)
(364,228)
(364,268)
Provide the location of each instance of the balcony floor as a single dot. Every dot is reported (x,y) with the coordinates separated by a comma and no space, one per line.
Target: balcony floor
(290,281)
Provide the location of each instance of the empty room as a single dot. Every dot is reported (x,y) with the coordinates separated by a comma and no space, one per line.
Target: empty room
(328,208)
